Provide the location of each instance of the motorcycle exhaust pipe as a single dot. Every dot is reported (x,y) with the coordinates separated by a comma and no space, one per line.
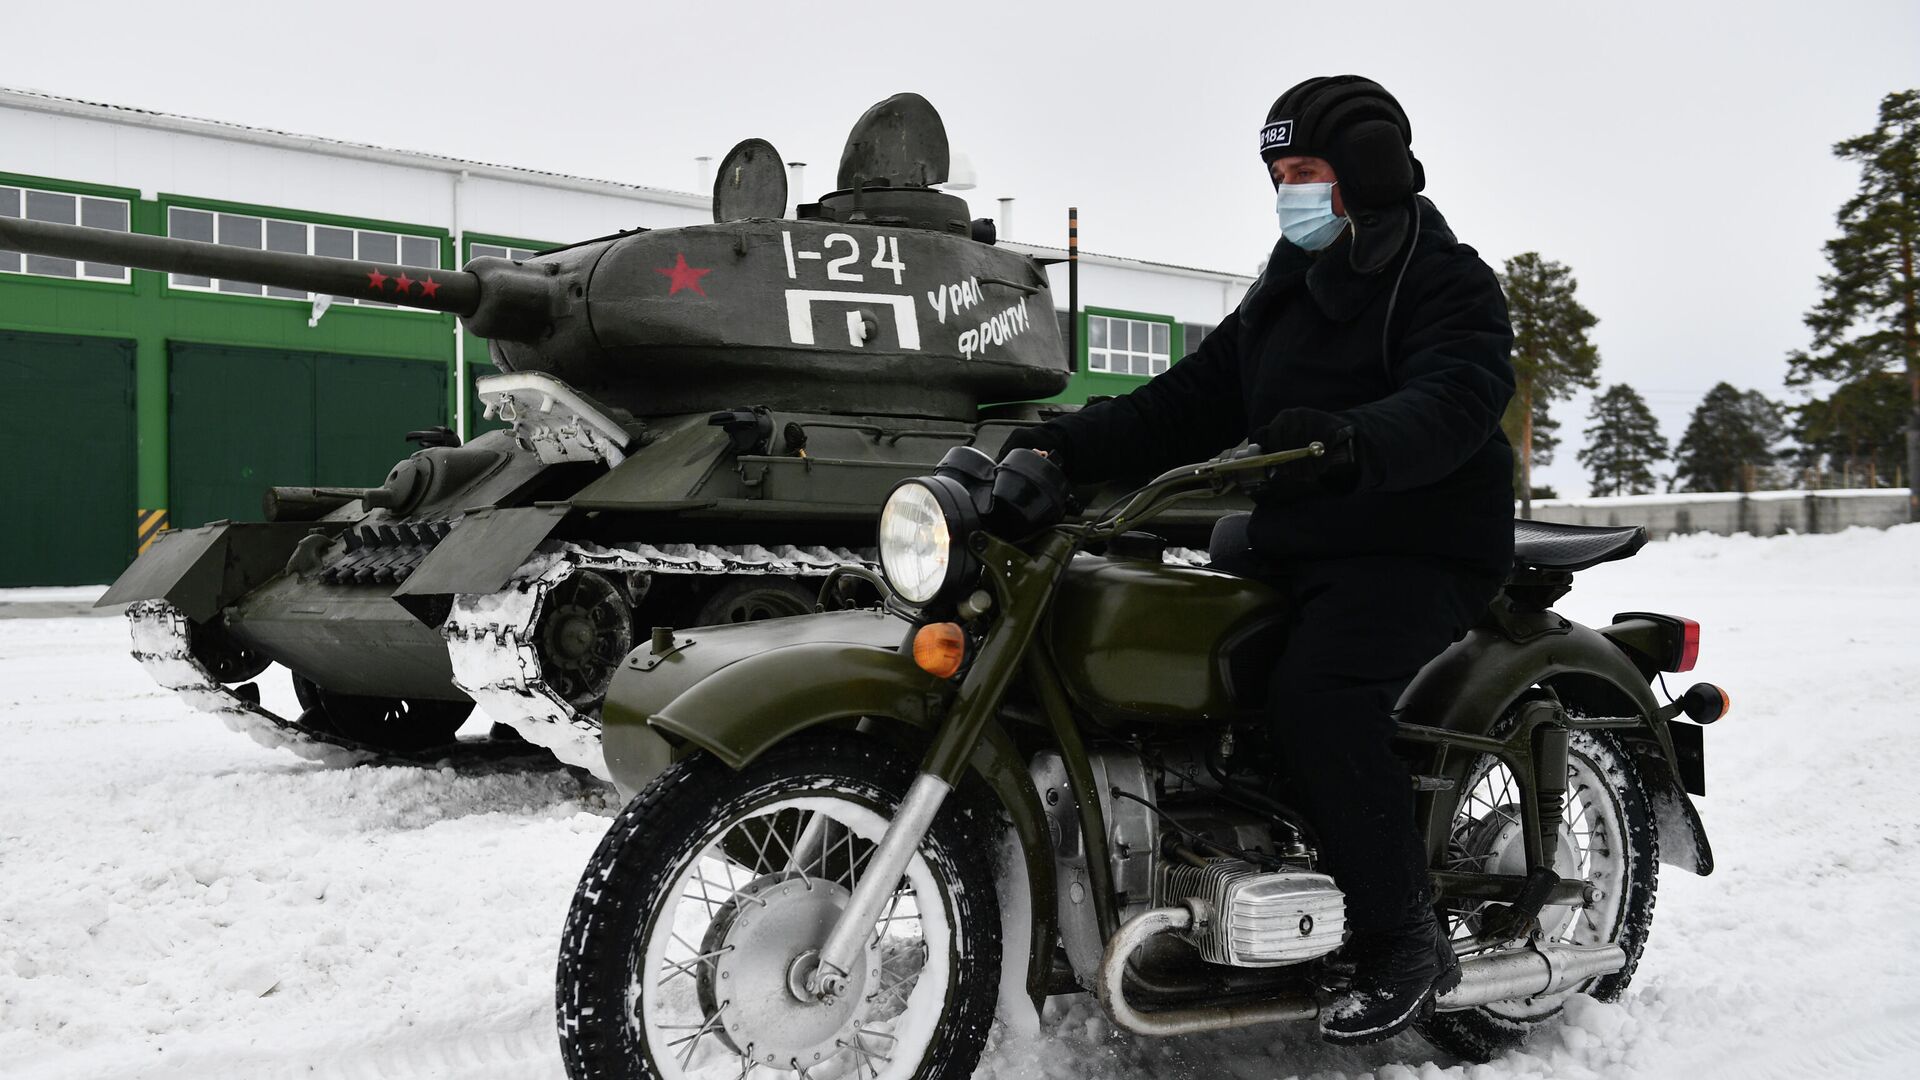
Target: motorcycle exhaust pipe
(1111,987)
(1529,972)
(1517,973)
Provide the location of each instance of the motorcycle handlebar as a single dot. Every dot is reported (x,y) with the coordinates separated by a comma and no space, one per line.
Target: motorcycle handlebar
(1208,477)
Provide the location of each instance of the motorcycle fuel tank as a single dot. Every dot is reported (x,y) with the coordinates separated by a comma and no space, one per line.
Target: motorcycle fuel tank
(1150,640)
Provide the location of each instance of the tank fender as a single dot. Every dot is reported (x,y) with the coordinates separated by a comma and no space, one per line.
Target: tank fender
(1471,685)
(737,691)
(201,571)
(481,555)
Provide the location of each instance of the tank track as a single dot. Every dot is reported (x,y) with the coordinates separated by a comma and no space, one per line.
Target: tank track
(161,645)
(491,637)
(492,645)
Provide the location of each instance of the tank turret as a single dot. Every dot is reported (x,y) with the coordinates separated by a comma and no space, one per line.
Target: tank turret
(878,292)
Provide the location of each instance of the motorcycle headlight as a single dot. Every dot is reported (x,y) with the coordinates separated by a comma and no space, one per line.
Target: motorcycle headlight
(923,526)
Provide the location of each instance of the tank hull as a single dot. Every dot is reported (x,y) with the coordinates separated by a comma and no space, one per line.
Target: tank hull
(488,573)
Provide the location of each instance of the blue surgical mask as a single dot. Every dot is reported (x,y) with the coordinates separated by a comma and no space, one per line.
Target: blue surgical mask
(1306,215)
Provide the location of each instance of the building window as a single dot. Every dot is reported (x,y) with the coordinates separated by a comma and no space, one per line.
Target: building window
(495,251)
(1128,346)
(294,238)
(63,209)
(1194,333)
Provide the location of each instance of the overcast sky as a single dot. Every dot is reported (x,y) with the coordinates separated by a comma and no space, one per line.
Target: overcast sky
(1676,155)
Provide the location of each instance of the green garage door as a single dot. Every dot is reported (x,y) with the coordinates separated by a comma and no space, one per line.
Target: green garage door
(244,420)
(66,459)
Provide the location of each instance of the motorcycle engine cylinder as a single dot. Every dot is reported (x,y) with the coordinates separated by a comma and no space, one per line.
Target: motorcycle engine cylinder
(1257,918)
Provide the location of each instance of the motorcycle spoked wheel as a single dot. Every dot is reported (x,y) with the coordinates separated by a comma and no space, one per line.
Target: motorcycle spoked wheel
(1607,839)
(687,945)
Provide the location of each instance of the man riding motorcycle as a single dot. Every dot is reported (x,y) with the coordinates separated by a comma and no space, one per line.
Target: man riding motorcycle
(1372,330)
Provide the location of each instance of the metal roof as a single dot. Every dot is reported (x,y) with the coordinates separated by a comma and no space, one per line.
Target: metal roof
(38,101)
(1124,262)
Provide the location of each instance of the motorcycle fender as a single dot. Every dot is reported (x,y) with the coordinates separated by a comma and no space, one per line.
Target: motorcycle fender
(736,691)
(200,571)
(482,553)
(1471,685)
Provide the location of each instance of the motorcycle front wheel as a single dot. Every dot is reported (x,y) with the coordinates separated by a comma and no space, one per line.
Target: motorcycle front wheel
(1607,839)
(698,919)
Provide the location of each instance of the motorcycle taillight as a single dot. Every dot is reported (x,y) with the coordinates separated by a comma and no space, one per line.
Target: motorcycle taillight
(1689,644)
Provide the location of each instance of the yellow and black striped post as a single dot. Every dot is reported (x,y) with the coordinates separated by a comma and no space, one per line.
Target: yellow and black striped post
(151,524)
(1073,290)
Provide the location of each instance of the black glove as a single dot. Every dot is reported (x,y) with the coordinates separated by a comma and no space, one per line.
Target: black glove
(1038,437)
(1334,473)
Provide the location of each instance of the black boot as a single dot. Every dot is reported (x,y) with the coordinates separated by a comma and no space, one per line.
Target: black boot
(1397,975)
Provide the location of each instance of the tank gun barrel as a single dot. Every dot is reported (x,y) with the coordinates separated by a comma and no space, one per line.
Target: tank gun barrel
(431,288)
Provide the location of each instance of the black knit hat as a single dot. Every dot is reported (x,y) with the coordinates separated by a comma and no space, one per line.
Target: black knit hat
(1363,133)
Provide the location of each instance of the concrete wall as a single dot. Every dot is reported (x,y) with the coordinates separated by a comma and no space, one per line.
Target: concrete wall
(1763,513)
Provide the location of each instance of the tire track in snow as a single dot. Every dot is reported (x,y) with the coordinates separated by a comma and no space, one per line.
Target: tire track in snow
(1883,1046)
(529,1051)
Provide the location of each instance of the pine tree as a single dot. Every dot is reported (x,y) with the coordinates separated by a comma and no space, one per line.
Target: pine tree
(1546,439)
(1730,443)
(1869,318)
(1552,355)
(1623,444)
(1859,430)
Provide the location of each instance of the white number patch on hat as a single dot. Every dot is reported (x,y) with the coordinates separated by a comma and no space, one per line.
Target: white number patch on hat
(1278,133)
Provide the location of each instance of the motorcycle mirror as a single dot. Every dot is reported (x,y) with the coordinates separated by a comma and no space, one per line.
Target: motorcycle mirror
(1029,494)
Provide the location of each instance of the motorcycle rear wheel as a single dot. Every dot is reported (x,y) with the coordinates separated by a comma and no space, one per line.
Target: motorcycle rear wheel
(687,945)
(1608,839)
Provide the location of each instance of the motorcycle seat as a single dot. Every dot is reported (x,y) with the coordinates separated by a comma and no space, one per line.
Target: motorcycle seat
(1548,545)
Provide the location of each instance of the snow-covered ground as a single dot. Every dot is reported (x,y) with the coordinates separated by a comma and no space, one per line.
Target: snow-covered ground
(178,902)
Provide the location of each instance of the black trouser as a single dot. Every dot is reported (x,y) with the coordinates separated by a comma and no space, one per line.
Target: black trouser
(1363,627)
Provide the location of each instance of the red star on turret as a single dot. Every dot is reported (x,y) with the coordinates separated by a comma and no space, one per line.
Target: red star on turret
(428,288)
(683,276)
(403,283)
(376,279)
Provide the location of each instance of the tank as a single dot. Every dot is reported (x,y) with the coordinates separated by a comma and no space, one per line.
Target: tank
(703,420)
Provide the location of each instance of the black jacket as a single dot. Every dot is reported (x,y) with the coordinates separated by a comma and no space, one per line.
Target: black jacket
(1435,471)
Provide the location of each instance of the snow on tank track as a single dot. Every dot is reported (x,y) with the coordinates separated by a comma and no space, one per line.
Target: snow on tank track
(161,646)
(491,638)
(492,643)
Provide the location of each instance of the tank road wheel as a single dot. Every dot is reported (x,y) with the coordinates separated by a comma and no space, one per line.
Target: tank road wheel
(750,599)
(696,923)
(1607,839)
(585,630)
(225,659)
(393,725)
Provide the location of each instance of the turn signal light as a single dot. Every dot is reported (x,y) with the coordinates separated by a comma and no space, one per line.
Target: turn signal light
(939,648)
(1704,703)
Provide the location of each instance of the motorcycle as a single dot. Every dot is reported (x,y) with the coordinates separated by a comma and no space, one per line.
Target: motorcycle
(1036,768)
